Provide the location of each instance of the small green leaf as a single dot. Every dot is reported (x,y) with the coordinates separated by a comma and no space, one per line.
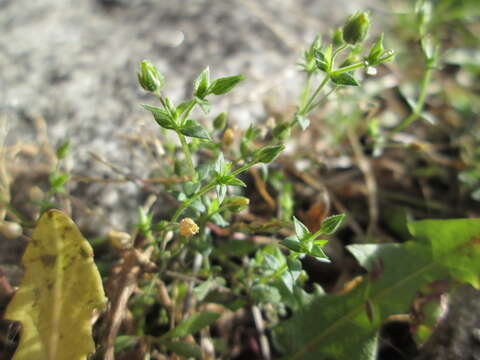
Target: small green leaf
(294,267)
(331,224)
(220,121)
(345,79)
(192,128)
(232,180)
(123,342)
(162,117)
(184,106)
(291,243)
(219,164)
(191,188)
(221,191)
(301,231)
(224,85)
(322,62)
(200,86)
(268,153)
(63,149)
(193,324)
(318,252)
(57,180)
(266,294)
(376,52)
(184,348)
(204,171)
(204,104)
(303,121)
(252,132)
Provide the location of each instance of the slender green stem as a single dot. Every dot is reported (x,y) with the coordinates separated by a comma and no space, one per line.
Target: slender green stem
(187,112)
(206,189)
(181,137)
(307,107)
(188,156)
(336,52)
(306,90)
(351,67)
(324,98)
(417,110)
(243,168)
(194,197)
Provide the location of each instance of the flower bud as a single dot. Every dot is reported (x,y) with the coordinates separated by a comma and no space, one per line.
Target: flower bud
(10,229)
(236,203)
(338,37)
(356,28)
(188,227)
(228,137)
(267,154)
(149,77)
(220,121)
(35,193)
(281,131)
(119,239)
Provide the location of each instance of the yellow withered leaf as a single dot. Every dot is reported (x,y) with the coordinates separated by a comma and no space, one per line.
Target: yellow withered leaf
(59,292)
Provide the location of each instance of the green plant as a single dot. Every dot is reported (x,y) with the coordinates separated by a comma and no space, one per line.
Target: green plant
(203,248)
(274,275)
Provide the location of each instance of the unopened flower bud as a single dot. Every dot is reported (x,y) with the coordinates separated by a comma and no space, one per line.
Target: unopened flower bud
(236,203)
(10,229)
(338,37)
(228,137)
(149,77)
(356,28)
(188,227)
(281,131)
(120,240)
(220,121)
(36,194)
(267,154)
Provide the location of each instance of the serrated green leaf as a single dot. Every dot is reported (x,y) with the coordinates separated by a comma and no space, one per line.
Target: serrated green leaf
(192,128)
(224,85)
(193,324)
(301,231)
(331,224)
(349,328)
(345,79)
(60,290)
(161,116)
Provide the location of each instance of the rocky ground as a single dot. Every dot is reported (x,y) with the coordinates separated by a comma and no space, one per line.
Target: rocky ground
(73,63)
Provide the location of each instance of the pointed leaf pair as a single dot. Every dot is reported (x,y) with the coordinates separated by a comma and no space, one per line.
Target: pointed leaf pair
(192,128)
(161,116)
(225,84)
